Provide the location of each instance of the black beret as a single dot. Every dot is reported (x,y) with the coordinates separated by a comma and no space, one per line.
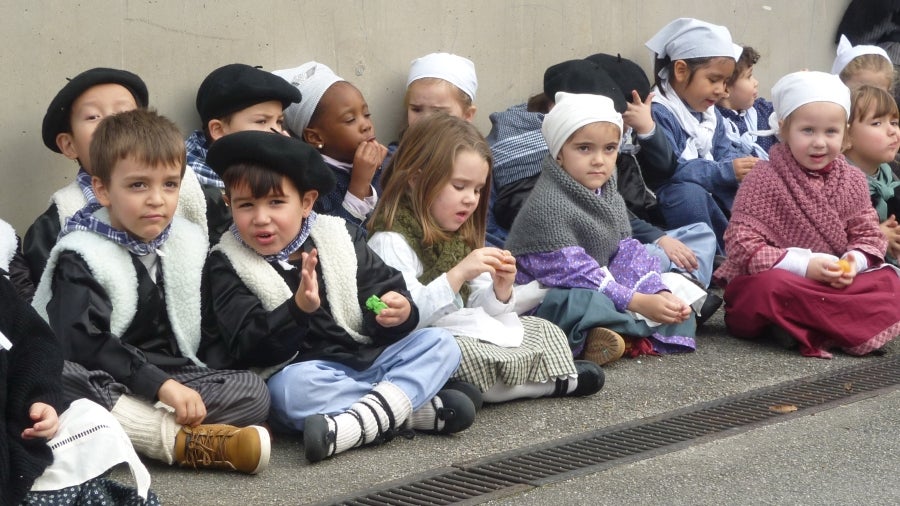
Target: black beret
(581,76)
(57,119)
(237,86)
(289,156)
(627,74)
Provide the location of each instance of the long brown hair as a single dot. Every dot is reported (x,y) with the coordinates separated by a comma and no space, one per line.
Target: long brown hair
(419,170)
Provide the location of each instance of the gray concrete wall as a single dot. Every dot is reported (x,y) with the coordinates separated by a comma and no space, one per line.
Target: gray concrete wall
(173,45)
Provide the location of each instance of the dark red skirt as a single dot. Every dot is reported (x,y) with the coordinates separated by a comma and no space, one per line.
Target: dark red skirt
(857,319)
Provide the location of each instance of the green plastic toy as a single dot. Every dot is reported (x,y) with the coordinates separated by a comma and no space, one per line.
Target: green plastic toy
(375,305)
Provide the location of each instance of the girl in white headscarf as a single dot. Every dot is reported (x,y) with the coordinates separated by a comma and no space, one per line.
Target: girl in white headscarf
(692,61)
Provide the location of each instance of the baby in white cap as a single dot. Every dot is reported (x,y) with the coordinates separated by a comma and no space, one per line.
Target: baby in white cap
(440,82)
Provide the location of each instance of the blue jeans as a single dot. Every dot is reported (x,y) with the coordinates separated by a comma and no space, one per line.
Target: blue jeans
(418,364)
(684,204)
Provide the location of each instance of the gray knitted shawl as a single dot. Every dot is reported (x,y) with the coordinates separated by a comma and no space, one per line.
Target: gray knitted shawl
(561,212)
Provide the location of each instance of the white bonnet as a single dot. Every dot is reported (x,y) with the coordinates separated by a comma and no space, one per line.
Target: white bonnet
(846,52)
(312,79)
(452,68)
(801,88)
(573,111)
(691,38)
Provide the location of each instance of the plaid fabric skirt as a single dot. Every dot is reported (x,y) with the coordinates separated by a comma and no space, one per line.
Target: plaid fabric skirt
(543,355)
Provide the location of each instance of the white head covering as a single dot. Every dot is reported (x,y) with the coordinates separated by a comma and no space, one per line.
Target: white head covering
(691,38)
(573,111)
(846,52)
(801,88)
(312,79)
(456,70)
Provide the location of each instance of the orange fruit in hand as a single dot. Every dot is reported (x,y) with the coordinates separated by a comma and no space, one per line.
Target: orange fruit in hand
(844,265)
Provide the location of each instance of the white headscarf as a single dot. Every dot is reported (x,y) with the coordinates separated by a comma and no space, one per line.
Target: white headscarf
(573,111)
(312,79)
(691,38)
(846,52)
(454,69)
(801,88)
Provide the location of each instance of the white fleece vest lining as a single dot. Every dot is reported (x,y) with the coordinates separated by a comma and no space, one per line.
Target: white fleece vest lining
(337,258)
(8,245)
(191,201)
(111,265)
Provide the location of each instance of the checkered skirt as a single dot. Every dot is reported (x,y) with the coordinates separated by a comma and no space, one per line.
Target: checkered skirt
(543,355)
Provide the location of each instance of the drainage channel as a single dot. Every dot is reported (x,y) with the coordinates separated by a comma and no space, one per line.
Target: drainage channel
(525,468)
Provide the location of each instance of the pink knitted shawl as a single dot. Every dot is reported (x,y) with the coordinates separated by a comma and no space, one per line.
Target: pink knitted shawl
(780,204)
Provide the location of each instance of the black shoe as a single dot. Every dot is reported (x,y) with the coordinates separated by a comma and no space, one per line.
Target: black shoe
(710,306)
(317,438)
(590,380)
(471,391)
(456,411)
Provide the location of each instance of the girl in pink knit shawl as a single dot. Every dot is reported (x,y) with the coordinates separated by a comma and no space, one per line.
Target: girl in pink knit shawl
(805,253)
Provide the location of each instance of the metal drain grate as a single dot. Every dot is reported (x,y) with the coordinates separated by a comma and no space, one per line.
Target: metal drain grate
(586,453)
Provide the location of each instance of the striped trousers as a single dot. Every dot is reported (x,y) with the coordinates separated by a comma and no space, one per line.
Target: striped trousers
(238,398)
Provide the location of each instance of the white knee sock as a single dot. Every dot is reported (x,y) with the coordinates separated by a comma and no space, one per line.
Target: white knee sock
(368,417)
(151,430)
(425,418)
(501,392)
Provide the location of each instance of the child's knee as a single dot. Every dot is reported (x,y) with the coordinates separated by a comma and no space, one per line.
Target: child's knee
(440,344)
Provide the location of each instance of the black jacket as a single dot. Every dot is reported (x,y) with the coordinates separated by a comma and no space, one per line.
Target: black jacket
(80,314)
(39,240)
(241,334)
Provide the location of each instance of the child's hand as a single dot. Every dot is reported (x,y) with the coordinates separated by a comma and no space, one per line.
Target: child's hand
(742,166)
(504,276)
(307,296)
(662,307)
(678,253)
(891,230)
(834,273)
(189,407)
(46,422)
(368,157)
(847,266)
(637,114)
(487,259)
(396,312)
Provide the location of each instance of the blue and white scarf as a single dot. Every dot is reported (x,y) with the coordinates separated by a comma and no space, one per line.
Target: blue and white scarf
(737,128)
(699,127)
(196,159)
(86,219)
(87,189)
(282,256)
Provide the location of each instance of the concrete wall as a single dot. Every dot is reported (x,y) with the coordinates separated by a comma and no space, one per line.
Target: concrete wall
(173,45)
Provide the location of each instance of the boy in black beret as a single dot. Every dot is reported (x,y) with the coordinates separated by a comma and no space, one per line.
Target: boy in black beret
(68,128)
(230,99)
(301,297)
(121,290)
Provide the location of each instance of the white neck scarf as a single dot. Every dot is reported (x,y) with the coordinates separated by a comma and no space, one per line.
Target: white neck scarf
(747,140)
(700,132)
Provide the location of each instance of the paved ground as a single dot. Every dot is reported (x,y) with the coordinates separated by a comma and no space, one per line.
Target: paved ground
(843,455)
